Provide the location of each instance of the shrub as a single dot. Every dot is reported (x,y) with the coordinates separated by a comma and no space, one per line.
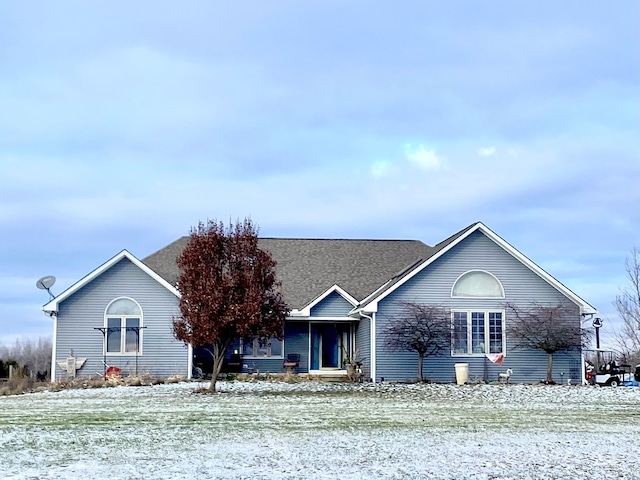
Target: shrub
(17,386)
(173,379)
(290,377)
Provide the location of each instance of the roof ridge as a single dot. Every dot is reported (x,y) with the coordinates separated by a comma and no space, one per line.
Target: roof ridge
(346,239)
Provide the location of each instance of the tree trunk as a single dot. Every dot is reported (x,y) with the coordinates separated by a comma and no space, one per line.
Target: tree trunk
(218,359)
(420,362)
(550,368)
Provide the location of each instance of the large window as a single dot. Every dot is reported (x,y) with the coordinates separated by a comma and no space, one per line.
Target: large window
(255,347)
(123,327)
(477,332)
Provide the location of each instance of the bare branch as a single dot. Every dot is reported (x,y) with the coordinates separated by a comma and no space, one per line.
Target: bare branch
(548,328)
(627,305)
(35,354)
(424,329)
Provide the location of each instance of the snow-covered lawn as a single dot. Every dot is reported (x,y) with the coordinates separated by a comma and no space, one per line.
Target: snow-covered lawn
(266,430)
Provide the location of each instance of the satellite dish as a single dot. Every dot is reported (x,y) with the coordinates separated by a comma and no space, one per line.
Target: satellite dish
(45,283)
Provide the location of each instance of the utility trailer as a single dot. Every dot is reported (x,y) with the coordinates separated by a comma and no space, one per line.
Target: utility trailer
(635,380)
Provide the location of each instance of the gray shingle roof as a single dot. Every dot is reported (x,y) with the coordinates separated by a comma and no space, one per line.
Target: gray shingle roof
(308,267)
(433,250)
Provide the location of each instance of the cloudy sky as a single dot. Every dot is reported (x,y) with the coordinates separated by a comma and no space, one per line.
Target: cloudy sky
(123,124)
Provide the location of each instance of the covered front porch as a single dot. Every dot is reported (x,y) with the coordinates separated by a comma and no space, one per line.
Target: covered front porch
(331,348)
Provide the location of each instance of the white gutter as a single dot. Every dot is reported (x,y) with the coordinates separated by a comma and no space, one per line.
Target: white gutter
(372,340)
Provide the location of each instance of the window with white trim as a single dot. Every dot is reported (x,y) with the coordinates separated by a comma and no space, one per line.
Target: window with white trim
(260,348)
(477,332)
(477,284)
(123,327)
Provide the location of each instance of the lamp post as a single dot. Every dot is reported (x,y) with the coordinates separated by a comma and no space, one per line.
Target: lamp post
(597,323)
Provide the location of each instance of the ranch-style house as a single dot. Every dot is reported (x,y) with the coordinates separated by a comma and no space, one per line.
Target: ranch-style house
(342,294)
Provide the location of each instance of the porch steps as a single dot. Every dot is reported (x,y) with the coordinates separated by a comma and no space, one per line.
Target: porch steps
(338,376)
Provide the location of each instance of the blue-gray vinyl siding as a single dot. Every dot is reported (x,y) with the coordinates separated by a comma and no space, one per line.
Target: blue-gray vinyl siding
(433,285)
(363,344)
(83,312)
(296,340)
(333,305)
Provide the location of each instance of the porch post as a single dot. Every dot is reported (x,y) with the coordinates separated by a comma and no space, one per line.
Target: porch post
(372,342)
(190,361)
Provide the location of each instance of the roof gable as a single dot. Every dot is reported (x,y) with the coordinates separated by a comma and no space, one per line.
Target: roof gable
(52,306)
(370,304)
(306,311)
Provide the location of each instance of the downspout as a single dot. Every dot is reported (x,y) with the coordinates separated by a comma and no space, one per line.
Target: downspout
(583,373)
(372,328)
(53,347)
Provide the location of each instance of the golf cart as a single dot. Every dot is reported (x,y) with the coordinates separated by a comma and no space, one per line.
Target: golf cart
(602,368)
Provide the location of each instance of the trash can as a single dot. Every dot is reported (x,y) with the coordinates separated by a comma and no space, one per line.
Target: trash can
(462,373)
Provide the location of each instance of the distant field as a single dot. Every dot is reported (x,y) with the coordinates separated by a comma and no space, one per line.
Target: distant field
(268,430)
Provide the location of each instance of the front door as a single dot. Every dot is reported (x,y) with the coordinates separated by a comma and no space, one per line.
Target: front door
(329,345)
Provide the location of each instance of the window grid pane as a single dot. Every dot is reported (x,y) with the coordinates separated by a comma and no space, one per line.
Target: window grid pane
(477,332)
(114,334)
(276,347)
(460,332)
(253,347)
(132,336)
(263,348)
(495,332)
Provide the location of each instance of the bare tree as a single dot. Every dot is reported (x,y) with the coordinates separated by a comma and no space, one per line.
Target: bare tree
(628,307)
(424,329)
(35,354)
(548,328)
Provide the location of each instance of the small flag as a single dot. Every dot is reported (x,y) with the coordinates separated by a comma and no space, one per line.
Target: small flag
(496,358)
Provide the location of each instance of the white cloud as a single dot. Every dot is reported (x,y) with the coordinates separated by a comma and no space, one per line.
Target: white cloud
(487,151)
(125,141)
(423,158)
(380,169)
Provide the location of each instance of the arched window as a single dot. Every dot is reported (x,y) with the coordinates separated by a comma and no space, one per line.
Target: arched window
(477,284)
(123,327)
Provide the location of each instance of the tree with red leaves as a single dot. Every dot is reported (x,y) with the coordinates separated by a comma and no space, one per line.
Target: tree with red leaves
(228,290)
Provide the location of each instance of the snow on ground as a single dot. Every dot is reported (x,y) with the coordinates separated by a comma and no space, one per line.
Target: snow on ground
(265,430)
